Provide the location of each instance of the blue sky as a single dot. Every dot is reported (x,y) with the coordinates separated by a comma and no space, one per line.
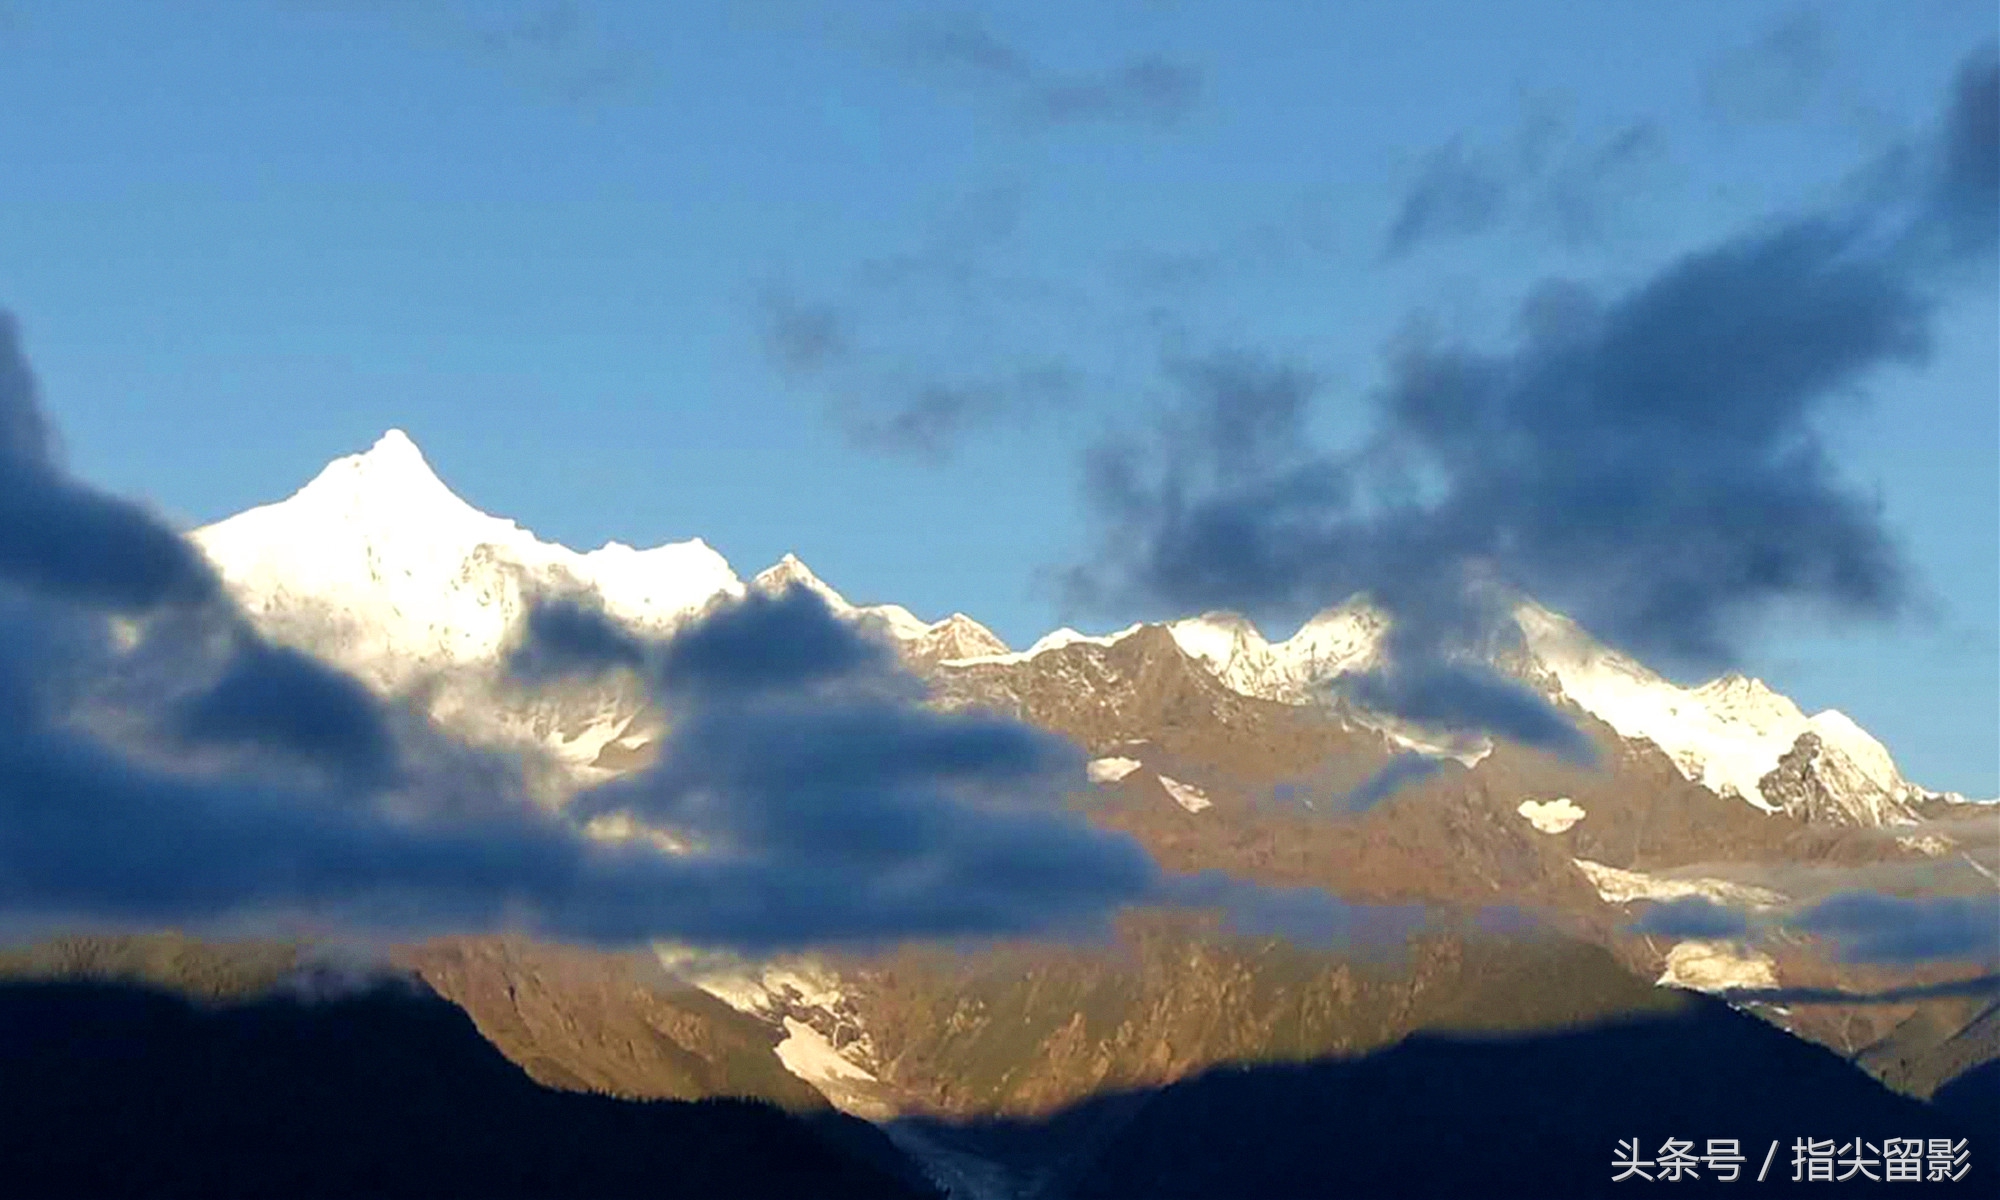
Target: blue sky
(647,272)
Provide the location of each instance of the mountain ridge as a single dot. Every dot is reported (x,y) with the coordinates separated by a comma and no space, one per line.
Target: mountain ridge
(376,563)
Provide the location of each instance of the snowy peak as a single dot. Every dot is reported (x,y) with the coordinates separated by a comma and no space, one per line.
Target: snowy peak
(381,567)
(390,476)
(789,571)
(897,622)
(1732,735)
(393,455)
(1818,781)
(957,637)
(1337,641)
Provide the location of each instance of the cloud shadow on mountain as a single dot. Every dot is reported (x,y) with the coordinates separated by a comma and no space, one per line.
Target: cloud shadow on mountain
(119,1090)
(1537,1114)
(1650,462)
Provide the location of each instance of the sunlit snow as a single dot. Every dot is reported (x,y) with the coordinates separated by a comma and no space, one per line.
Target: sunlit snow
(1186,794)
(1618,886)
(1706,966)
(812,1058)
(1111,770)
(1551,816)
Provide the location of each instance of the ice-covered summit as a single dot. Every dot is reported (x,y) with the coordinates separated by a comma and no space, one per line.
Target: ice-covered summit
(927,640)
(1731,734)
(380,565)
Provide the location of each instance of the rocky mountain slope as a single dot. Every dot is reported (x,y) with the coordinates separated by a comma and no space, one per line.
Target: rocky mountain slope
(377,565)
(1214,746)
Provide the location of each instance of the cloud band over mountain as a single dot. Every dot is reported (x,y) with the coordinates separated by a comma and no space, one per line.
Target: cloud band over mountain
(1648,463)
(180,769)
(196,774)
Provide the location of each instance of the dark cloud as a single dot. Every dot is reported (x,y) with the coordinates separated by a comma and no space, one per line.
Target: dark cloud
(59,536)
(1863,926)
(1398,773)
(1692,917)
(97,549)
(279,698)
(1983,985)
(1150,88)
(1649,463)
(1871,927)
(932,418)
(799,754)
(573,635)
(815,796)
(769,643)
(1965,200)
(1289,236)
(923,396)
(1309,916)
(1147,88)
(1774,77)
(1455,695)
(962,41)
(1579,197)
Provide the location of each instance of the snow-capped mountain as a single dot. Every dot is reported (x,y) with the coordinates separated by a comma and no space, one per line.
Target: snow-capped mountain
(1733,735)
(380,567)
(377,564)
(1337,641)
(955,636)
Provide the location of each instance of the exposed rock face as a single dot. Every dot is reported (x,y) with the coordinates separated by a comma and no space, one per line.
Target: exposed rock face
(1214,747)
(1815,782)
(596,1022)
(1025,1029)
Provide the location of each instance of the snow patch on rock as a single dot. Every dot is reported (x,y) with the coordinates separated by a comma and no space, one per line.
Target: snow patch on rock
(1717,966)
(812,1058)
(1618,886)
(1186,795)
(1111,770)
(1551,816)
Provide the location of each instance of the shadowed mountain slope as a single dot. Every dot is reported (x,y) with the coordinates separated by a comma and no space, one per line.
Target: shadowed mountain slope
(110,1090)
(1481,1115)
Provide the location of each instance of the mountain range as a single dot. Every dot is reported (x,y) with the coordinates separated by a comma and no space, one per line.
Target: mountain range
(1218,749)
(377,565)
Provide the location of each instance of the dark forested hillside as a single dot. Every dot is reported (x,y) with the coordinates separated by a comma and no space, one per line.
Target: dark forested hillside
(1466,1115)
(121,1090)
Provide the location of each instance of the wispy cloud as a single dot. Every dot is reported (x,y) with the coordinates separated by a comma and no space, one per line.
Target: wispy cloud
(1553,179)
(802,336)
(1774,76)
(1871,927)
(1145,88)
(925,399)
(1860,926)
